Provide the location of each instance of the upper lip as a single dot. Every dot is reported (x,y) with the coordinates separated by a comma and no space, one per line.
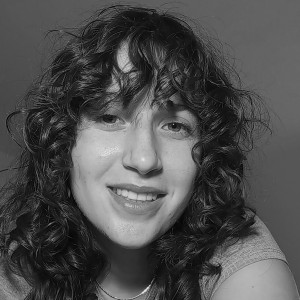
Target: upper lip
(138,189)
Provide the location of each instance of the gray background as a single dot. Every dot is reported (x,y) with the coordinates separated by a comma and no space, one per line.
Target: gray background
(264,38)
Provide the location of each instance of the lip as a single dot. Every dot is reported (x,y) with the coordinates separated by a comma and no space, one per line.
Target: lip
(139,189)
(135,207)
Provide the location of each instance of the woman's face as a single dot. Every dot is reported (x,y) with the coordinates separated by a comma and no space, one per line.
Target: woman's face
(133,172)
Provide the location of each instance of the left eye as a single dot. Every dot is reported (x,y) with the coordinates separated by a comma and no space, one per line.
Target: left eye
(175,126)
(177,129)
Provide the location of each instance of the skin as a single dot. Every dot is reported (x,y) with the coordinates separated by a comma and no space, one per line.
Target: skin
(269,279)
(138,150)
(146,148)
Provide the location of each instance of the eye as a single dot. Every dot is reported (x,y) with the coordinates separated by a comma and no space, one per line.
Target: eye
(110,122)
(109,119)
(175,126)
(177,129)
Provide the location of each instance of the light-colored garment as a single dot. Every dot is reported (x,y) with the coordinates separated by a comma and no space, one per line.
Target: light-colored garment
(246,251)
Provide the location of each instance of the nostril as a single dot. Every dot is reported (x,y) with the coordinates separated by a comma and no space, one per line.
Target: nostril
(143,163)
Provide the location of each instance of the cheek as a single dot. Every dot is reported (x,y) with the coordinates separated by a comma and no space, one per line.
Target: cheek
(180,166)
(174,210)
(180,173)
(91,158)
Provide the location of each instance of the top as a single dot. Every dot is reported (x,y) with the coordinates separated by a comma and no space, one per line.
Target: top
(232,258)
(244,252)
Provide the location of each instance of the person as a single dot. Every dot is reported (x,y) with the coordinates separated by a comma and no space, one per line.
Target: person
(131,181)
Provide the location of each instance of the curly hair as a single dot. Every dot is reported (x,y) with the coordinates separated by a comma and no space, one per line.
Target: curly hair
(44,235)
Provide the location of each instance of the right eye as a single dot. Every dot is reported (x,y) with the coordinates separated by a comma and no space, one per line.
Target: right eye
(109,121)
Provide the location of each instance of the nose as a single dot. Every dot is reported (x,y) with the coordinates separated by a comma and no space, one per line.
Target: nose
(141,152)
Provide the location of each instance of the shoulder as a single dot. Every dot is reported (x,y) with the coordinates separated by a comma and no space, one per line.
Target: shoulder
(247,258)
(12,286)
(268,279)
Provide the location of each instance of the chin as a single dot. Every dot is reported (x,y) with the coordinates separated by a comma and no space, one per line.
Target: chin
(133,240)
(134,243)
(127,238)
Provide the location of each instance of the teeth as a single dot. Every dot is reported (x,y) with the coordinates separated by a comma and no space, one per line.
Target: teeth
(142,197)
(124,193)
(132,195)
(135,196)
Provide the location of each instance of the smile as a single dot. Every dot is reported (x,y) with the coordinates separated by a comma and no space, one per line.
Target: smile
(125,200)
(137,193)
(130,195)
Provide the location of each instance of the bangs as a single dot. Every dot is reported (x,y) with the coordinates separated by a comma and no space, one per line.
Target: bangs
(159,55)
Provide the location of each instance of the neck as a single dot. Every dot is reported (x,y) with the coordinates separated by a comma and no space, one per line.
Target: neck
(130,272)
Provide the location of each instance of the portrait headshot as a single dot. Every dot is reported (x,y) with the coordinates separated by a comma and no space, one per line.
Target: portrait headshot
(149,151)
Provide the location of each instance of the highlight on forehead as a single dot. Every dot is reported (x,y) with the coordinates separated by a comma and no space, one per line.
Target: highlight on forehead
(122,58)
(131,83)
(123,69)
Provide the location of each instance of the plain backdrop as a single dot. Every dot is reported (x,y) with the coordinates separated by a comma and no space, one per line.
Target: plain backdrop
(262,38)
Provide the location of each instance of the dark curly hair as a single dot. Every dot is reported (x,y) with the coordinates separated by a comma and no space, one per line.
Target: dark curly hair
(44,235)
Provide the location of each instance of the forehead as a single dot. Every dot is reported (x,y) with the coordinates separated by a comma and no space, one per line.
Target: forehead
(145,96)
(122,58)
(123,64)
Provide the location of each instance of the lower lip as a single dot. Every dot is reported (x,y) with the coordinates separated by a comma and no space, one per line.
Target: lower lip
(136,206)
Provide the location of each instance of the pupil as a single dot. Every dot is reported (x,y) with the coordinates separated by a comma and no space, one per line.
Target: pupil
(109,118)
(175,126)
